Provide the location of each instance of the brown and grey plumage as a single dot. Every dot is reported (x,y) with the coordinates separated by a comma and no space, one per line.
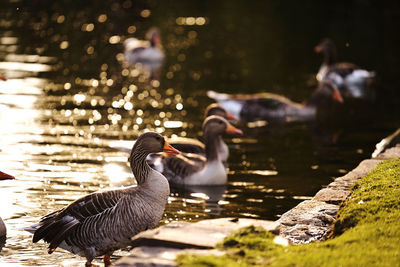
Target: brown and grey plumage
(278,108)
(192,169)
(102,222)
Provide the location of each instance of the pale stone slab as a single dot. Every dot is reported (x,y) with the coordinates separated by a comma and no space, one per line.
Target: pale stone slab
(390,153)
(159,256)
(202,235)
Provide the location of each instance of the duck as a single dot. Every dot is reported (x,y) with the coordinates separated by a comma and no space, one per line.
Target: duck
(352,81)
(278,108)
(102,222)
(3,229)
(146,52)
(187,169)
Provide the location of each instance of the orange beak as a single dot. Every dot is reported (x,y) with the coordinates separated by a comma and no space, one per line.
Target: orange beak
(318,49)
(337,96)
(5,176)
(169,150)
(231,117)
(230,129)
(156,39)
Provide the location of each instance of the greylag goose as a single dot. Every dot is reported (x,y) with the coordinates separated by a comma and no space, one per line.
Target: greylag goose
(352,81)
(273,107)
(190,145)
(146,52)
(102,222)
(193,169)
(3,229)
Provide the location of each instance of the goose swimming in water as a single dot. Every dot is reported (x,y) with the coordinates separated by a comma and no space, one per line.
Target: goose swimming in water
(102,222)
(352,81)
(146,52)
(191,145)
(193,169)
(273,107)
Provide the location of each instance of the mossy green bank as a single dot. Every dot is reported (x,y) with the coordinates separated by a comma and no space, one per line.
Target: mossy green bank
(366,232)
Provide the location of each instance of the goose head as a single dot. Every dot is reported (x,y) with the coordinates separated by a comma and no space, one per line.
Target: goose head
(213,128)
(152,142)
(216,109)
(326,92)
(215,125)
(153,35)
(5,176)
(328,49)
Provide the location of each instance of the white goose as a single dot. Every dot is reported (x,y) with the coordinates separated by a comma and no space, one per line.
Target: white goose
(352,81)
(102,222)
(192,169)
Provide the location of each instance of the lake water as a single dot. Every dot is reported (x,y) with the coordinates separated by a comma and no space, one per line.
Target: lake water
(69,98)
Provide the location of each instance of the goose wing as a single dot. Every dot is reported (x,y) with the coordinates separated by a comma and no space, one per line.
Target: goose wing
(177,168)
(343,69)
(55,227)
(187,145)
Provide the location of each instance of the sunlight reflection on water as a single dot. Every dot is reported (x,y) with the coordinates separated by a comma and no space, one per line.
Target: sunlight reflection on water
(72,107)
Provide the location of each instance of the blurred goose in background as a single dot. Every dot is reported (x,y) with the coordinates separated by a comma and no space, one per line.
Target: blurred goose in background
(193,169)
(352,81)
(2,78)
(146,52)
(102,222)
(3,229)
(273,107)
(188,145)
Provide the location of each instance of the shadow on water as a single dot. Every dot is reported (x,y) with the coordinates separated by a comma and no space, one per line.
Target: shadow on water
(70,95)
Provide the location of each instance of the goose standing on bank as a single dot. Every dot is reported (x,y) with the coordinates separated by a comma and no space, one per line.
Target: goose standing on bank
(352,81)
(146,52)
(191,169)
(277,108)
(102,222)
(3,229)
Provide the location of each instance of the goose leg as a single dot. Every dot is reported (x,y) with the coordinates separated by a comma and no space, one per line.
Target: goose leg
(88,264)
(107,260)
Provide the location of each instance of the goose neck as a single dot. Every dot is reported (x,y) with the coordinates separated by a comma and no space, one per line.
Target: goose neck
(211,143)
(139,166)
(329,58)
